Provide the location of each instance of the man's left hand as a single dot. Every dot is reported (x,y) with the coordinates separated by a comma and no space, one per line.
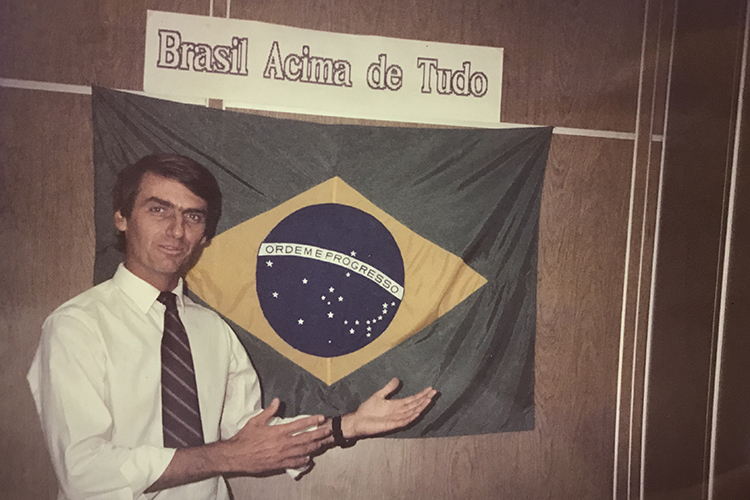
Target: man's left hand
(379,414)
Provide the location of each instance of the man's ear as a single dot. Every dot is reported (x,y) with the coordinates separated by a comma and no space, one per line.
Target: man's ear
(121,223)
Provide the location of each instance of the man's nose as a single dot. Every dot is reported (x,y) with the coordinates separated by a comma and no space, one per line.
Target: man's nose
(176,227)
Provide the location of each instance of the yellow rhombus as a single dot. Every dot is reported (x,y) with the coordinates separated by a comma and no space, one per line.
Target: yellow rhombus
(435,280)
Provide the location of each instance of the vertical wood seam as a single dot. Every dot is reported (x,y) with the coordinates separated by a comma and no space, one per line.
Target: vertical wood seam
(632,341)
(642,250)
(721,262)
(726,260)
(626,273)
(655,257)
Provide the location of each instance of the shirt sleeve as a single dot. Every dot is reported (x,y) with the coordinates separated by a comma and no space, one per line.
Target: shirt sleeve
(67,380)
(243,395)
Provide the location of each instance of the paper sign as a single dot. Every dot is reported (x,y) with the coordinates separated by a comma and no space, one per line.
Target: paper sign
(250,64)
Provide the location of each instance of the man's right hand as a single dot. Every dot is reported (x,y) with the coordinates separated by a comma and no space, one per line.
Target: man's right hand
(257,447)
(262,447)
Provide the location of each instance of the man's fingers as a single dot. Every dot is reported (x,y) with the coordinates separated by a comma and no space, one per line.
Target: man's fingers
(309,442)
(427,392)
(301,424)
(422,402)
(423,398)
(305,436)
(388,388)
(306,444)
(297,462)
(410,408)
(414,408)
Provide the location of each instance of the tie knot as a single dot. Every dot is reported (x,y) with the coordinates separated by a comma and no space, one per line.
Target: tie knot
(168,299)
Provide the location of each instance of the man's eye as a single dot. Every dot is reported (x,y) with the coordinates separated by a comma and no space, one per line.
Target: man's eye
(156,209)
(196,218)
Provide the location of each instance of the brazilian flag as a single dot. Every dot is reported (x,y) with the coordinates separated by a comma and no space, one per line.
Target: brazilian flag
(348,254)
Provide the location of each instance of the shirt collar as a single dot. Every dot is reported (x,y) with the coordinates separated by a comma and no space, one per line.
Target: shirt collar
(142,293)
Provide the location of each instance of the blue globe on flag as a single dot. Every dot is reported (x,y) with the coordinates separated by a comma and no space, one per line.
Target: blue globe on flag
(330,279)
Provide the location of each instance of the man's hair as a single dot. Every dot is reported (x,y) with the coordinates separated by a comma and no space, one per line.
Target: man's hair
(187,172)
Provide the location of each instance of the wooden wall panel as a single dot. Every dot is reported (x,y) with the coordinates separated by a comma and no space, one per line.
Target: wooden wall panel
(582,245)
(571,67)
(565,65)
(637,291)
(47,248)
(700,134)
(733,438)
(81,42)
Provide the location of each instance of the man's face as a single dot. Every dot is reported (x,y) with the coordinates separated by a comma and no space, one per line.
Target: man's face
(166,228)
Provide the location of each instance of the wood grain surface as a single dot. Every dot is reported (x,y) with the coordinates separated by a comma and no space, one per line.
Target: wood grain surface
(732,450)
(47,248)
(697,164)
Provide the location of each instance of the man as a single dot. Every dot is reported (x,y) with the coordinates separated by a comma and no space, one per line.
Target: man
(125,414)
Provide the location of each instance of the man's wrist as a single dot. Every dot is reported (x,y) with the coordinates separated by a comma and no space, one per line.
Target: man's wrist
(347,426)
(229,456)
(195,464)
(342,430)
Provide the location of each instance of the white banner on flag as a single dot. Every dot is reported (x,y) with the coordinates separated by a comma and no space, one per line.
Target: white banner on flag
(250,64)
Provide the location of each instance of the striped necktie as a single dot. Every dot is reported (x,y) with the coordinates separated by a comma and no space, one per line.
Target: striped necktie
(181,417)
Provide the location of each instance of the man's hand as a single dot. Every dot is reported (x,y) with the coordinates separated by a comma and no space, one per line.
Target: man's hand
(261,447)
(379,414)
(257,447)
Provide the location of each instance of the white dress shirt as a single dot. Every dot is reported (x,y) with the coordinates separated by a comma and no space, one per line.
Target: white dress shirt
(96,381)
